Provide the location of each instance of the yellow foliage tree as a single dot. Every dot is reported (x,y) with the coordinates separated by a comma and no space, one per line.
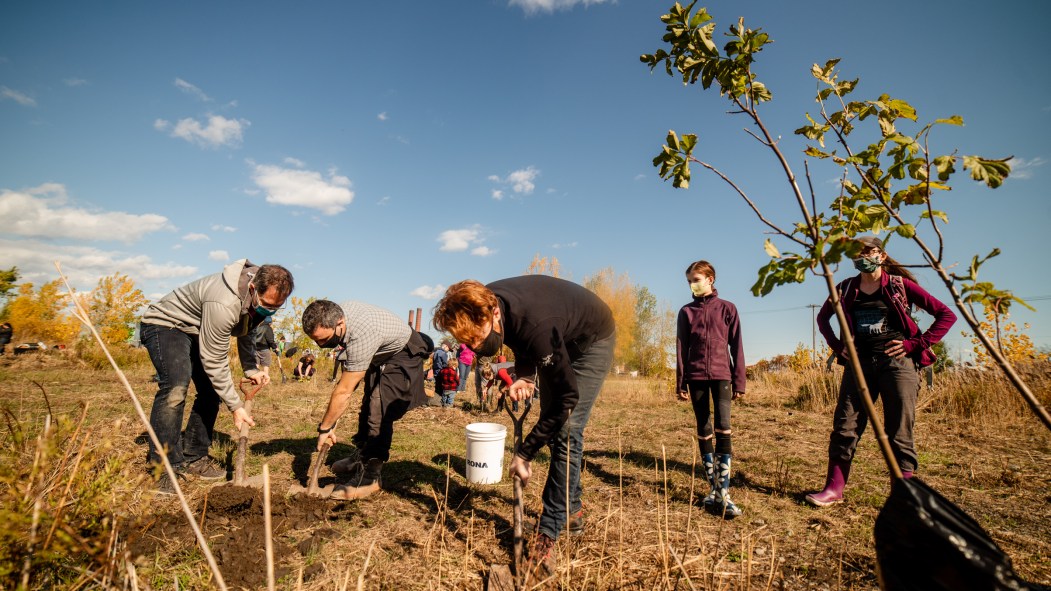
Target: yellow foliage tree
(40,315)
(544,266)
(113,307)
(620,295)
(1012,342)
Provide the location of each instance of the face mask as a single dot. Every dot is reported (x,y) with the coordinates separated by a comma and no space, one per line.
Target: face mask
(491,345)
(700,289)
(261,310)
(332,342)
(866,265)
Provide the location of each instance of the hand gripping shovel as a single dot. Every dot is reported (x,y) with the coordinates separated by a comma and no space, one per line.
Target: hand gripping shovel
(499,575)
(249,390)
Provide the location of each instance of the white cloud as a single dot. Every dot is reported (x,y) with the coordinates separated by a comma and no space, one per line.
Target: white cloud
(567,245)
(18,97)
(305,188)
(161,124)
(44,211)
(382,116)
(383,200)
(640,176)
(520,181)
(176,246)
(1023,169)
(296,162)
(192,90)
(219,255)
(464,239)
(222,228)
(427,292)
(83,264)
(219,131)
(532,7)
(195,236)
(75,81)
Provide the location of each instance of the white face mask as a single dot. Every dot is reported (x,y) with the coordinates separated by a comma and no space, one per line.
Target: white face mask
(701,288)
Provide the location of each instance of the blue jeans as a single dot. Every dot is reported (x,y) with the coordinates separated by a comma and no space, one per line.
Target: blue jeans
(177,359)
(464,369)
(567,449)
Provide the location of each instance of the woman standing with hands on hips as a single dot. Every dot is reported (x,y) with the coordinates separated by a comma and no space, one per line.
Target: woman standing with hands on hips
(877,304)
(710,371)
(563,338)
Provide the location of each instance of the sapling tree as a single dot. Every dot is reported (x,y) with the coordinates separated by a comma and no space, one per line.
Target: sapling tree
(887,186)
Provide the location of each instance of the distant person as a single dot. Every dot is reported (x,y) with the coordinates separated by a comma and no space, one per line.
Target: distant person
(187,334)
(388,355)
(891,348)
(710,372)
(5,336)
(338,357)
(265,344)
(563,339)
(305,369)
(465,356)
(448,379)
(439,360)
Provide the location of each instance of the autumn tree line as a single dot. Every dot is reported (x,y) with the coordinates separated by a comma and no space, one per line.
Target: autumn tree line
(645,326)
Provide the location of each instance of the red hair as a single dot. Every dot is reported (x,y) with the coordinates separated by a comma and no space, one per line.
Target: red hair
(464,308)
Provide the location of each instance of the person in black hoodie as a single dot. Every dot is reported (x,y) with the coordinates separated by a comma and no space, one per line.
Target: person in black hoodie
(710,368)
(563,337)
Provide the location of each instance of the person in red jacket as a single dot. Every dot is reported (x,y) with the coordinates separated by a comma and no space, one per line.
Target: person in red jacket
(448,379)
(891,348)
(710,371)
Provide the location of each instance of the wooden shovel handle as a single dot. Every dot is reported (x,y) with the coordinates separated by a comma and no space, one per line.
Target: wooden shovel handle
(315,469)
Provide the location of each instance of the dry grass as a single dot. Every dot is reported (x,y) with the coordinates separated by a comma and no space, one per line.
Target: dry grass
(430,529)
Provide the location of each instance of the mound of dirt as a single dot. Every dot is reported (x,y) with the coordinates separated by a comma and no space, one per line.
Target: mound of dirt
(233,525)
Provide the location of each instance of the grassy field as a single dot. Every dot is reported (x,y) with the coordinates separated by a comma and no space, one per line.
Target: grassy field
(78,511)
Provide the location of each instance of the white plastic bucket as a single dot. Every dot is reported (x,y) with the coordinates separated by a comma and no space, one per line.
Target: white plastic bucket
(485,452)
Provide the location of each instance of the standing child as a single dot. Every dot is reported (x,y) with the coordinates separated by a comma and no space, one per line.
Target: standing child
(448,379)
(710,368)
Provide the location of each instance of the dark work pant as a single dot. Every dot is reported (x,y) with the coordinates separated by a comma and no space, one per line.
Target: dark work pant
(702,394)
(177,359)
(898,383)
(567,448)
(391,390)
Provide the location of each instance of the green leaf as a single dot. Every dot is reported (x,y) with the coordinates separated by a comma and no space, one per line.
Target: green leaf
(944,164)
(906,230)
(771,249)
(812,151)
(991,172)
(938,214)
(954,120)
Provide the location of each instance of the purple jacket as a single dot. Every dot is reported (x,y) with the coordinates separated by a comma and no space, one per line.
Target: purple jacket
(917,345)
(708,344)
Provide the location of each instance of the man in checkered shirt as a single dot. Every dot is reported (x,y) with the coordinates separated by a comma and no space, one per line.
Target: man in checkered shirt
(388,355)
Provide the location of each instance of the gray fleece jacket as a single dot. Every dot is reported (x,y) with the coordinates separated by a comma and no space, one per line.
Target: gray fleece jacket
(215,308)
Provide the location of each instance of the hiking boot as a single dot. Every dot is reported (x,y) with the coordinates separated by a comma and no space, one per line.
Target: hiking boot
(541,562)
(345,466)
(364,479)
(577,523)
(205,468)
(835,482)
(164,486)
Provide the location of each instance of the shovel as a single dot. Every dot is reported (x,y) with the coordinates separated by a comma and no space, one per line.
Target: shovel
(242,439)
(500,578)
(312,489)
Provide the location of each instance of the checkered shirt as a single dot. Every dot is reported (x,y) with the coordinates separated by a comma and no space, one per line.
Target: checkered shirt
(373,336)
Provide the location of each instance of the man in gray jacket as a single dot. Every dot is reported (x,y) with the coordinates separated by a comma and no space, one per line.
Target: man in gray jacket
(187,334)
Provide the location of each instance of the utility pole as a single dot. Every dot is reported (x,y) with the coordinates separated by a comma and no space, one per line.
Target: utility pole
(813,331)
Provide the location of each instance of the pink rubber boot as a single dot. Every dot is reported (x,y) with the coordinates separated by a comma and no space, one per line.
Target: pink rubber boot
(838,472)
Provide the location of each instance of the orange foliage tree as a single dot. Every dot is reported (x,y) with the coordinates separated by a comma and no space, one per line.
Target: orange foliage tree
(40,315)
(620,295)
(113,307)
(1010,340)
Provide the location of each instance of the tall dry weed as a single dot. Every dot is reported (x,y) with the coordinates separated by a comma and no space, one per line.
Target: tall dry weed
(60,480)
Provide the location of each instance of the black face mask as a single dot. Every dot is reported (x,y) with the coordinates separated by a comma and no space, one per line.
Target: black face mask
(332,342)
(491,345)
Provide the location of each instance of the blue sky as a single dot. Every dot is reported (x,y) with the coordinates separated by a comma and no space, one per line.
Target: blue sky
(383,151)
